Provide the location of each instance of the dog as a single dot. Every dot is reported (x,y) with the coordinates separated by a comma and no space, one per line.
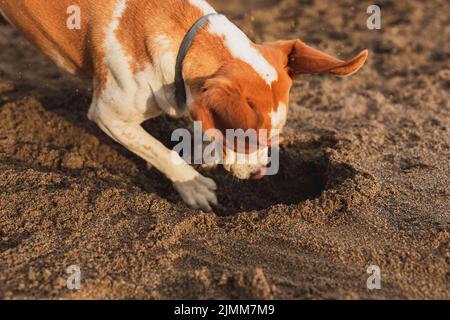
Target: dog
(180,58)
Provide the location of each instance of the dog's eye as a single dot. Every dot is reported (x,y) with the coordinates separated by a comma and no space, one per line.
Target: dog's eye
(251,104)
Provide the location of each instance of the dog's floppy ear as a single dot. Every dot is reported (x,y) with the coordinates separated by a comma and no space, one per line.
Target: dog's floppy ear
(222,106)
(304,59)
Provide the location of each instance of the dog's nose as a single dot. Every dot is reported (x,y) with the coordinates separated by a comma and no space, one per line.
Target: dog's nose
(258,175)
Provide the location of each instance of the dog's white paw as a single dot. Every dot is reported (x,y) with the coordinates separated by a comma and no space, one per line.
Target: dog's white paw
(198,193)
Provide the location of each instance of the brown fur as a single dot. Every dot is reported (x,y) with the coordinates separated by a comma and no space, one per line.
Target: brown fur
(227,95)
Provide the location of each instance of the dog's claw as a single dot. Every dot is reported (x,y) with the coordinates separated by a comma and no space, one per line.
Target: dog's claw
(198,193)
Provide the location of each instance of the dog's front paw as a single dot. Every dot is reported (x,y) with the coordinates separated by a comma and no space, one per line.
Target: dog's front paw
(198,193)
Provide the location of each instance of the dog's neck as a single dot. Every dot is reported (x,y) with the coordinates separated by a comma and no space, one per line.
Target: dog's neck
(219,42)
(206,56)
(203,59)
(216,43)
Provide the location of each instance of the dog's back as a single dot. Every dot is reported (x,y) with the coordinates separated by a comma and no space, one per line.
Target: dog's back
(45,24)
(81,50)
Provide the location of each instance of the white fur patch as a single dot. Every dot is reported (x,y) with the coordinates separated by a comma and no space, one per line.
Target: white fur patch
(163,74)
(241,47)
(166,58)
(203,5)
(136,97)
(125,95)
(61,62)
(116,60)
(279,117)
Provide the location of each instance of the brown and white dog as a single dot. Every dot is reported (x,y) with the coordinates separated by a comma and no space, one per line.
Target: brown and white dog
(129,49)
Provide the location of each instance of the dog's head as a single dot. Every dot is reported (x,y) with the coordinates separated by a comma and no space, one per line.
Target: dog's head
(238,97)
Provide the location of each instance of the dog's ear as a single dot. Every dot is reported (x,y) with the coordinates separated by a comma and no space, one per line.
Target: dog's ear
(303,59)
(222,106)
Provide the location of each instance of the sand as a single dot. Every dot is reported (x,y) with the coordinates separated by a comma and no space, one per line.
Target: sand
(364,178)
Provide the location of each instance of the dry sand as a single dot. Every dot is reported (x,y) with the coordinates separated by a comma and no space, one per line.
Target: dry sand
(364,179)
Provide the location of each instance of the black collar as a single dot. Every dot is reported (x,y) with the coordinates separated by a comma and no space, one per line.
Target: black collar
(180,89)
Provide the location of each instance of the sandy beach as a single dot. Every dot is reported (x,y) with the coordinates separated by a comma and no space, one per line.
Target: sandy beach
(364,176)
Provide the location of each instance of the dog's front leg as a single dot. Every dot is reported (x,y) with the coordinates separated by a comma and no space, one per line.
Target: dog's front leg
(196,190)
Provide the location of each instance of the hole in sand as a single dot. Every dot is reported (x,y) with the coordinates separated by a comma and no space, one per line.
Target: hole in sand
(305,172)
